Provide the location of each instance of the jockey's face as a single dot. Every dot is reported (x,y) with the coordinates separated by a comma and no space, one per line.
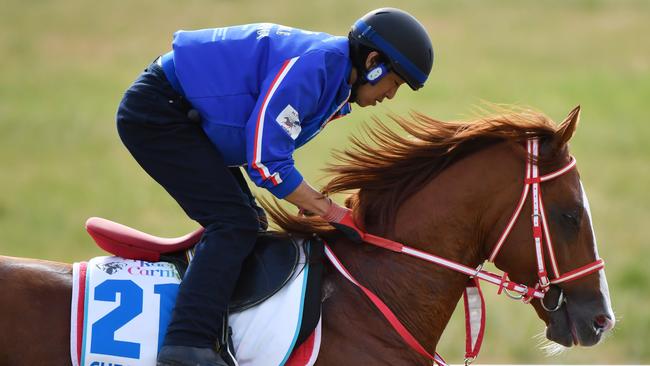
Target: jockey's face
(368,94)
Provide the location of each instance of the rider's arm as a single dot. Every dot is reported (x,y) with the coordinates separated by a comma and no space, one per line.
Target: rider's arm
(288,97)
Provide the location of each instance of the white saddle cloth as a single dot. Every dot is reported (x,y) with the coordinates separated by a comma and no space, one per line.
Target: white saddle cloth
(121,308)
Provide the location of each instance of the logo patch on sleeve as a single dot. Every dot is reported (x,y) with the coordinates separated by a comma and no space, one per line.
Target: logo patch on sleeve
(290,121)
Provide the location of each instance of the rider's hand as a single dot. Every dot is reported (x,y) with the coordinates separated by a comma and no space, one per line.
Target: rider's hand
(310,201)
(342,219)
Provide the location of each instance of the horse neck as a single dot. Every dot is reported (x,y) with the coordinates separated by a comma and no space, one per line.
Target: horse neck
(452,217)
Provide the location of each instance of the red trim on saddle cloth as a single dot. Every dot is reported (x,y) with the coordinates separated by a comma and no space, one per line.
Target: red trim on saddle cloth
(81,296)
(126,242)
(307,352)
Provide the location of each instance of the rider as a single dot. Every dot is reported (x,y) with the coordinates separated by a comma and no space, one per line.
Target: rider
(249,96)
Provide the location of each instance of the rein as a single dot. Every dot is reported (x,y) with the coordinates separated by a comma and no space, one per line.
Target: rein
(473,297)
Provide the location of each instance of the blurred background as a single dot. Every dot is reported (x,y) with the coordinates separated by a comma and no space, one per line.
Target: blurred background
(65,64)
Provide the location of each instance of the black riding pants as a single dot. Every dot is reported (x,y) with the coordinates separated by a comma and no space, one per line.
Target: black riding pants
(153,123)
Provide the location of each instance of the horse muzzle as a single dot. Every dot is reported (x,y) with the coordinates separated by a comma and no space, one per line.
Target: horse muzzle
(576,324)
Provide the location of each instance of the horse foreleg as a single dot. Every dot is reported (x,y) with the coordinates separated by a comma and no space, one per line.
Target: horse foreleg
(34,312)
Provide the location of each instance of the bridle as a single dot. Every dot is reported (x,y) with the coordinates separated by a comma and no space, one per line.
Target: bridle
(541,233)
(473,298)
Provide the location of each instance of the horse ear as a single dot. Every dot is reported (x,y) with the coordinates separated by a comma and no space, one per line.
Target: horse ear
(567,128)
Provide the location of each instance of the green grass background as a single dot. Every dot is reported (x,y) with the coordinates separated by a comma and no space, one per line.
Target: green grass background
(65,64)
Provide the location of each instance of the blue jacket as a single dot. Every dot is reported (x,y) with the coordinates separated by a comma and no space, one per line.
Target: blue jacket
(263,90)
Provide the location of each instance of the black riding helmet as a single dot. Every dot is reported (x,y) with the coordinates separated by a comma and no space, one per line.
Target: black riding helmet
(398,36)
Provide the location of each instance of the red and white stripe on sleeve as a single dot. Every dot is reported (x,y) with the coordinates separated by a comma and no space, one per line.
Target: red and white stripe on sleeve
(259,128)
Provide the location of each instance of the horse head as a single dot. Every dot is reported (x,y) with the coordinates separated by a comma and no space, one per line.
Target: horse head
(576,311)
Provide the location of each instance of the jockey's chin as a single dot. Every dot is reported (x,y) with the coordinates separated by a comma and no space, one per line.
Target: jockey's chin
(369,95)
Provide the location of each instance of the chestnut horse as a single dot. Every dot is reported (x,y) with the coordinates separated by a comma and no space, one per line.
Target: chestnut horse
(448,189)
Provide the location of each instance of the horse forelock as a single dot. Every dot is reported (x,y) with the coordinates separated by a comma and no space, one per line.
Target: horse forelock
(384,166)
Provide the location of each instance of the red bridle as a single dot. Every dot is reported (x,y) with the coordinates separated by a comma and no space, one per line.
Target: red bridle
(540,232)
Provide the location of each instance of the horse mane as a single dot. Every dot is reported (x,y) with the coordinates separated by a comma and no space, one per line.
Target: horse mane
(382,173)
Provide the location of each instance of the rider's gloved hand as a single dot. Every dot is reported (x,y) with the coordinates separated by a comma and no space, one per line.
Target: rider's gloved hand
(342,219)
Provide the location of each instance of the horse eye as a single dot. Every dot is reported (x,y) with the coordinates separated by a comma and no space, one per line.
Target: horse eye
(573,220)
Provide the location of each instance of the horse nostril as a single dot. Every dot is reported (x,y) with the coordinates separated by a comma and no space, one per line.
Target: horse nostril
(603,323)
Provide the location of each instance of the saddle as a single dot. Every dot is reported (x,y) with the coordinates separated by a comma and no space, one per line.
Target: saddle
(265,271)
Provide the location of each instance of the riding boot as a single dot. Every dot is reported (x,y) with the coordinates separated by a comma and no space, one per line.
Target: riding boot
(223,355)
(189,356)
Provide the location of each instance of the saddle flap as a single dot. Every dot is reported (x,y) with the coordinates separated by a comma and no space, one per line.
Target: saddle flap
(266,270)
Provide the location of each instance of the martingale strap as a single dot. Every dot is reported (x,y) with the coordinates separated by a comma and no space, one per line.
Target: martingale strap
(385,310)
(474,305)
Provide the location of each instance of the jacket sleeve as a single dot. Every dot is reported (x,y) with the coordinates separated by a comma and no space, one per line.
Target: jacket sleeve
(289,94)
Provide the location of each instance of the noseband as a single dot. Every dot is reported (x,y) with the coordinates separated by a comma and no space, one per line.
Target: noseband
(513,290)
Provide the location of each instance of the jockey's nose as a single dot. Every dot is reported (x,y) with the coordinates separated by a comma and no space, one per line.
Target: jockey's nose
(603,323)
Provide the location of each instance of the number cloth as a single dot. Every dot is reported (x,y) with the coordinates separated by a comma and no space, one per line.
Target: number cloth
(121,309)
